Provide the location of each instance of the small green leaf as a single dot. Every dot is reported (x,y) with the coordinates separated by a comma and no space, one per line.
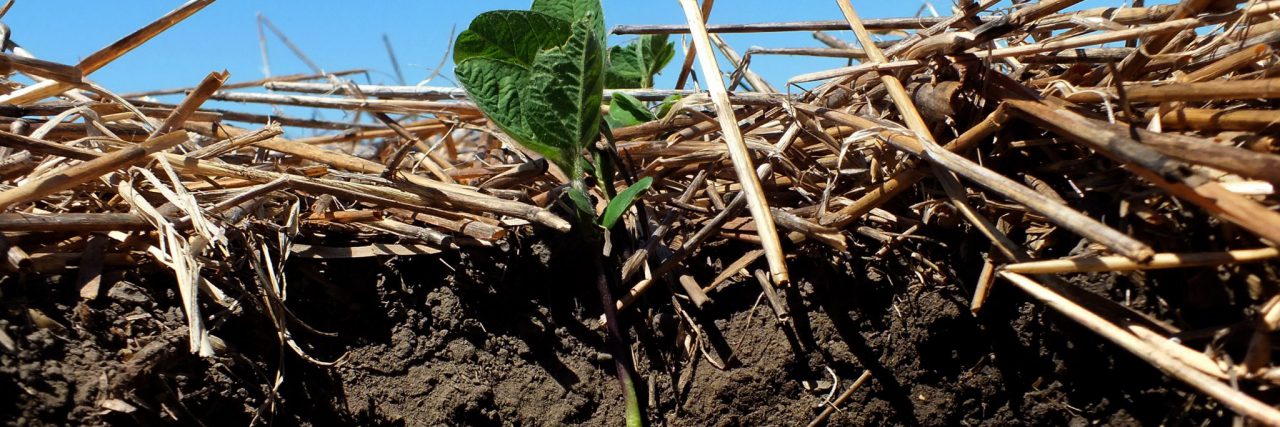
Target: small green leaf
(626,110)
(633,65)
(667,103)
(620,204)
(658,52)
(604,172)
(605,169)
(581,202)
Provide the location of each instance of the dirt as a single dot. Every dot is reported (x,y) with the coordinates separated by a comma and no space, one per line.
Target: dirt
(511,337)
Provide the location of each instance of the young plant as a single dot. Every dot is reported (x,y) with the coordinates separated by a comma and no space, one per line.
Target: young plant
(633,65)
(539,75)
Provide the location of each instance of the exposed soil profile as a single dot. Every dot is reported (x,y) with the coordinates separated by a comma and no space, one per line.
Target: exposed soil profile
(509,339)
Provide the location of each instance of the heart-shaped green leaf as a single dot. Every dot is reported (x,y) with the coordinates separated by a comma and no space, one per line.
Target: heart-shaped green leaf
(537,77)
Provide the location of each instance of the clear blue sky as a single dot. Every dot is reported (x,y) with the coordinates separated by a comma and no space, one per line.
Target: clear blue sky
(344,34)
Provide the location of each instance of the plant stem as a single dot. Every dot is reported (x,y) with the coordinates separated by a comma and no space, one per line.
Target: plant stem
(606,277)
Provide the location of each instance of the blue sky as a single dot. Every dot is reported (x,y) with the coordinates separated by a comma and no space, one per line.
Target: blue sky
(344,34)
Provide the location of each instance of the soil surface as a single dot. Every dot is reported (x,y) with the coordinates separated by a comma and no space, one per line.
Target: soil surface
(512,337)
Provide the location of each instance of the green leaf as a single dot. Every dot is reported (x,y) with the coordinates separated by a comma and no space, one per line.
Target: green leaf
(496,86)
(574,11)
(626,110)
(633,65)
(605,170)
(657,52)
(620,204)
(510,35)
(569,85)
(537,77)
(667,103)
(581,203)
(625,68)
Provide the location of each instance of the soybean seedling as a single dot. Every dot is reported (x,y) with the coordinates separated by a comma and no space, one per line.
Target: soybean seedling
(539,75)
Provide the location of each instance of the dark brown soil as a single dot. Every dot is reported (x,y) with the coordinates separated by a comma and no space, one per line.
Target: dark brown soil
(509,338)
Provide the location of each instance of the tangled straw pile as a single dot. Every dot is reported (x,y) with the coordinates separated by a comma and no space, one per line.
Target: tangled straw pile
(1101,140)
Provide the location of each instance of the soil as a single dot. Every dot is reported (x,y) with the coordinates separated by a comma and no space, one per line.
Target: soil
(511,337)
